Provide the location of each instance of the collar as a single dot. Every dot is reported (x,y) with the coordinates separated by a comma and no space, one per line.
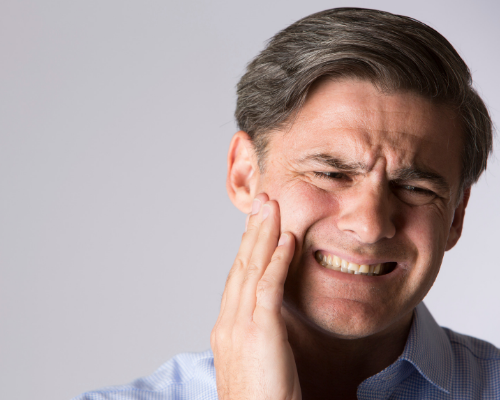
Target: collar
(429,350)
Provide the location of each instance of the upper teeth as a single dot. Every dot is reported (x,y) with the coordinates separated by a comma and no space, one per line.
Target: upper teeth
(338,264)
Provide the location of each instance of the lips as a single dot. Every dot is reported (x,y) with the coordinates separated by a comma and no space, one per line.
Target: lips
(336,263)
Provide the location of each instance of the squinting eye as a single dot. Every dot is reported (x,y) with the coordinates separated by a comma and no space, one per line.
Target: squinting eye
(418,190)
(414,195)
(410,188)
(329,175)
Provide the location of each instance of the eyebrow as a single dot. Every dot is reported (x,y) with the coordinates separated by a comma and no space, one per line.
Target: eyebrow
(335,162)
(403,174)
(420,174)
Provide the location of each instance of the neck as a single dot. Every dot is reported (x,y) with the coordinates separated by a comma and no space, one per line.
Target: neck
(330,367)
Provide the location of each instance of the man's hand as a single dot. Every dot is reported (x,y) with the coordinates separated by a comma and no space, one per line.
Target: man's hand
(252,355)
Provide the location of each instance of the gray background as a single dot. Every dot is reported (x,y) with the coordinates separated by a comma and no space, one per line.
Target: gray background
(116,233)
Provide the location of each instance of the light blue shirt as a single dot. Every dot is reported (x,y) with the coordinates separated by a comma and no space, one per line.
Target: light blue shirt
(436,363)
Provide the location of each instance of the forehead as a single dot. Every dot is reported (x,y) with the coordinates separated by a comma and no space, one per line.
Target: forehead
(354,119)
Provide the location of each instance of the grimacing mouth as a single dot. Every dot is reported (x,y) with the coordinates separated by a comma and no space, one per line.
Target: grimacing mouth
(336,263)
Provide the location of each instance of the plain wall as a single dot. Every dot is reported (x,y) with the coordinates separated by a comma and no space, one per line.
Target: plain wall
(116,233)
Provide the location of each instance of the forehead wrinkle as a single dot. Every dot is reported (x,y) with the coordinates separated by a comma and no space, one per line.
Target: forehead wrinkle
(361,117)
(364,150)
(393,123)
(407,173)
(346,121)
(402,136)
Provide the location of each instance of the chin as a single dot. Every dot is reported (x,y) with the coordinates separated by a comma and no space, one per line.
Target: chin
(339,318)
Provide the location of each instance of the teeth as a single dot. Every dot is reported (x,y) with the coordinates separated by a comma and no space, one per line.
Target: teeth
(338,264)
(354,268)
(364,269)
(344,266)
(323,260)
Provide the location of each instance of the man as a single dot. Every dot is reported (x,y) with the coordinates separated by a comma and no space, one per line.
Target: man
(360,139)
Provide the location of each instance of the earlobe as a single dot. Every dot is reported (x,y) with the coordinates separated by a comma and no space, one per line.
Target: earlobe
(458,221)
(242,172)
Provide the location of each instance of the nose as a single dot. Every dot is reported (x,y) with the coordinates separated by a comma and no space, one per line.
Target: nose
(367,214)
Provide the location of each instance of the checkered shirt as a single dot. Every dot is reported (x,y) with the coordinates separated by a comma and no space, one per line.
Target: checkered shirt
(436,364)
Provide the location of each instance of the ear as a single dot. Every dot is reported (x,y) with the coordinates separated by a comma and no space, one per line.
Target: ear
(458,221)
(242,172)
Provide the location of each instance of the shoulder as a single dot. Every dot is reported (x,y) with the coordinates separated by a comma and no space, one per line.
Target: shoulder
(187,376)
(476,364)
(468,346)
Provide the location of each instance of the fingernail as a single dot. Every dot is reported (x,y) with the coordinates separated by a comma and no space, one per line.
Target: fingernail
(265,211)
(283,239)
(256,206)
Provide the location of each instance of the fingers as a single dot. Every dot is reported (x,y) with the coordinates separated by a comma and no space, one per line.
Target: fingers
(237,273)
(262,253)
(249,340)
(270,287)
(252,229)
(259,271)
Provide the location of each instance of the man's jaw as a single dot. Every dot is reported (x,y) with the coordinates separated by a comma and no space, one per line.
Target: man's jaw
(334,262)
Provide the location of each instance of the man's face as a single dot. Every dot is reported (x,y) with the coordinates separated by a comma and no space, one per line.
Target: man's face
(372,179)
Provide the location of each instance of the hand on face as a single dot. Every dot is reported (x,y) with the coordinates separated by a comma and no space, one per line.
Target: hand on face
(253,358)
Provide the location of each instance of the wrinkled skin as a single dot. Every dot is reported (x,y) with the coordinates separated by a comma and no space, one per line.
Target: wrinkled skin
(391,194)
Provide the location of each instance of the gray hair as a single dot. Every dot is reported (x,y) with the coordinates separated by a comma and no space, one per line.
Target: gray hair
(394,52)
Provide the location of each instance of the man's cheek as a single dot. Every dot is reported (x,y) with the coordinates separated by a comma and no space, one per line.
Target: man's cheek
(296,210)
(304,210)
